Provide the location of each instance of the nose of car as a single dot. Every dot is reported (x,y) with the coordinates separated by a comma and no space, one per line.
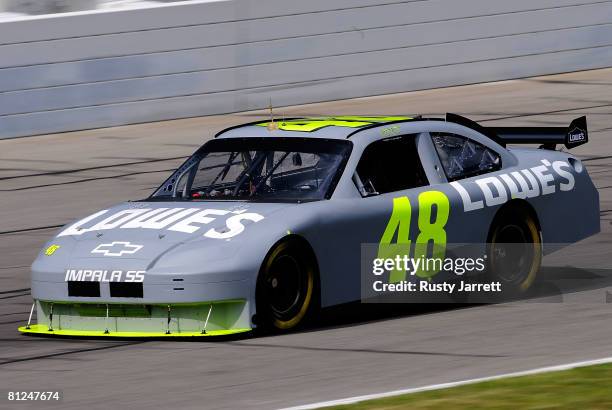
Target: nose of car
(127,244)
(127,248)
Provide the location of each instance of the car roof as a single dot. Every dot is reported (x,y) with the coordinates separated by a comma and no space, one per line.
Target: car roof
(336,127)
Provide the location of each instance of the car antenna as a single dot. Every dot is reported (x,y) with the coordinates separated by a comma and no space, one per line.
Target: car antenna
(272,125)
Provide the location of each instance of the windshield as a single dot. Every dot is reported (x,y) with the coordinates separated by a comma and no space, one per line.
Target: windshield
(259,169)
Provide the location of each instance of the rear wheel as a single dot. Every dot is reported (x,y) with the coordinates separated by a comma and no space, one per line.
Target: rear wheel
(515,250)
(287,286)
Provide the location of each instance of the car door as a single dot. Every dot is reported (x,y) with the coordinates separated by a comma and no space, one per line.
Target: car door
(411,201)
(389,175)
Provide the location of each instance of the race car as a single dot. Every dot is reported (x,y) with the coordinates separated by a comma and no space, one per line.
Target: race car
(263,225)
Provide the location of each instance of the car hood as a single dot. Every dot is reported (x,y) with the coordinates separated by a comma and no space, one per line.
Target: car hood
(145,231)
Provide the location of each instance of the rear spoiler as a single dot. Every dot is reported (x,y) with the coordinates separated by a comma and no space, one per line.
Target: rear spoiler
(574,135)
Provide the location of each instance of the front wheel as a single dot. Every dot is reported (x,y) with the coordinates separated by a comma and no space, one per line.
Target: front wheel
(287,287)
(515,250)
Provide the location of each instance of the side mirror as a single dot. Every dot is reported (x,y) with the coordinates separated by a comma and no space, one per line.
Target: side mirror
(368,189)
(296,158)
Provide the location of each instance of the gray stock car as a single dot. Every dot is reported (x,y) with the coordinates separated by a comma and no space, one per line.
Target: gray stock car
(265,222)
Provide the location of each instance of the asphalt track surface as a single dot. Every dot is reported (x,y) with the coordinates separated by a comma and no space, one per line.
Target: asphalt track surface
(46,181)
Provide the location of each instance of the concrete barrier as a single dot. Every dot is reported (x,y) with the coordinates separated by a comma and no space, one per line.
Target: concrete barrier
(94,69)
(46,6)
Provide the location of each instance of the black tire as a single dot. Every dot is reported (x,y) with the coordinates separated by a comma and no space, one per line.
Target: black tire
(287,287)
(514,250)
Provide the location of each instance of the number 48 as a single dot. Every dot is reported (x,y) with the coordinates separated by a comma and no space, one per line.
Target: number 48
(430,231)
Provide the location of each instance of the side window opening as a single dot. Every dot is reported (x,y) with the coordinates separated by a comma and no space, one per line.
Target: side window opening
(463,158)
(390,165)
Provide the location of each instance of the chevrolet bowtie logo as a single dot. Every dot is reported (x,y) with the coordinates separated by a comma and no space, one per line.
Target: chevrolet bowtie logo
(117,249)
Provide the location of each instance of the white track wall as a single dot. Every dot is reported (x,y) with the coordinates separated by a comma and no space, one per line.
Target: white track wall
(98,69)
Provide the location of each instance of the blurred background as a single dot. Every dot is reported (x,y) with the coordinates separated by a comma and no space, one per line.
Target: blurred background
(96,63)
(19,7)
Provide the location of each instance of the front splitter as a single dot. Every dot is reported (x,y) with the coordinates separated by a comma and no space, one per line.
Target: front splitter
(44,330)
